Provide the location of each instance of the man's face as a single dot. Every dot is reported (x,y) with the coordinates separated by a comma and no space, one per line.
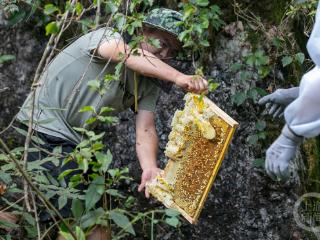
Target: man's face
(169,44)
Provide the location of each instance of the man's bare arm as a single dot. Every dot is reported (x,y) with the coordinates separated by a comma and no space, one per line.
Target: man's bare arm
(149,65)
(146,146)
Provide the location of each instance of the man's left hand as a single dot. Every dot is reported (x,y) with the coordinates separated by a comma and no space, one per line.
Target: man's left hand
(148,175)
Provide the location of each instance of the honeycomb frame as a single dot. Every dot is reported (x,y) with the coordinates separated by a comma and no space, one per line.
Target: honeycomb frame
(193,165)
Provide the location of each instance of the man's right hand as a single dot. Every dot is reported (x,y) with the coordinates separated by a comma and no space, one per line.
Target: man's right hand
(276,102)
(192,83)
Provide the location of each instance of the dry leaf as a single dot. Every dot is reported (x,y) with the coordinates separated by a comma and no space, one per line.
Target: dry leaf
(3,189)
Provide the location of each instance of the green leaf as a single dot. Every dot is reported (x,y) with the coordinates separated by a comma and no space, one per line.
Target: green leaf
(79,8)
(50,8)
(261,125)
(94,192)
(258,163)
(97,137)
(202,3)
(286,61)
(77,208)
(130,201)
(108,119)
(264,71)
(114,172)
(6,58)
(253,94)
(213,86)
(5,177)
(81,130)
(94,85)
(276,42)
(87,109)
(235,67)
(83,164)
(104,160)
(253,139)
(239,98)
(122,221)
(172,221)
(6,224)
(154,42)
(3,157)
(205,43)
(62,201)
(17,17)
(25,133)
(172,212)
(80,234)
(299,57)
(115,193)
(106,109)
(65,173)
(111,7)
(120,20)
(91,120)
(29,218)
(245,76)
(92,218)
(52,28)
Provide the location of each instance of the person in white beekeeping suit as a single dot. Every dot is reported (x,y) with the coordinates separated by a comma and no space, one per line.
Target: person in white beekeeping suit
(301,106)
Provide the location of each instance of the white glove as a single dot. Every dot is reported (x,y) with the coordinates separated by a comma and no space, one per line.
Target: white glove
(281,153)
(276,102)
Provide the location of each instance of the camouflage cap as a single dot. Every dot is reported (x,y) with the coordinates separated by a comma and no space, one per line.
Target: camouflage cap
(165,19)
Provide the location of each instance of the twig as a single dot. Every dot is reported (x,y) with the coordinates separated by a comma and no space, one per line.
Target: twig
(49,229)
(36,216)
(34,188)
(97,20)
(6,208)
(44,59)
(10,124)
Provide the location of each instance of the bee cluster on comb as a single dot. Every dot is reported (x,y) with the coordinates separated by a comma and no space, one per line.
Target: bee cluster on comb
(200,135)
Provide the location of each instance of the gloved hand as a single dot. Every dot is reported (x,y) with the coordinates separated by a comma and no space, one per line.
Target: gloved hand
(276,102)
(281,153)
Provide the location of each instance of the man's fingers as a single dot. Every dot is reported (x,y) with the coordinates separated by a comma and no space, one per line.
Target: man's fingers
(142,185)
(202,86)
(197,85)
(146,192)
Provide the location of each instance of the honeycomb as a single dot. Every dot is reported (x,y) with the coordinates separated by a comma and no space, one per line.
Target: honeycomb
(200,135)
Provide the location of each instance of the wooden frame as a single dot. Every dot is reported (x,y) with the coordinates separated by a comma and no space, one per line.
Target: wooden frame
(164,187)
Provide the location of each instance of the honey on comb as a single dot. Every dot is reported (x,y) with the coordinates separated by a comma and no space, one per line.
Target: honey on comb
(194,156)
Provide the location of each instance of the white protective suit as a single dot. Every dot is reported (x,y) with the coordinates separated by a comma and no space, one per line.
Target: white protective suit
(303,114)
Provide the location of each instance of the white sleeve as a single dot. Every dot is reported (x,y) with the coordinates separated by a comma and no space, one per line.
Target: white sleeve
(313,44)
(303,114)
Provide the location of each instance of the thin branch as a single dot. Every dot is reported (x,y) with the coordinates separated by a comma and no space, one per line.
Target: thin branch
(11,205)
(36,215)
(44,59)
(97,20)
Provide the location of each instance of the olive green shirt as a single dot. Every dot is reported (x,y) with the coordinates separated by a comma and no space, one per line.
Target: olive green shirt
(64,89)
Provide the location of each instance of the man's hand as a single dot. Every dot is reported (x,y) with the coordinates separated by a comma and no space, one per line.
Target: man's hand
(276,102)
(281,153)
(192,83)
(148,175)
